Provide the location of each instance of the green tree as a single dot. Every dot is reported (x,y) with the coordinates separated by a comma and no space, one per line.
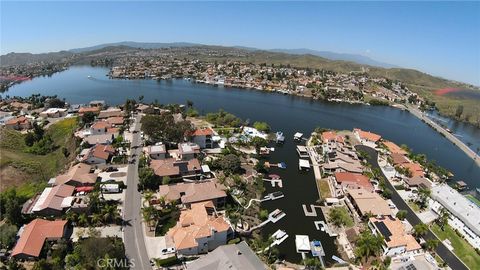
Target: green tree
(431,244)
(11,207)
(420,229)
(339,216)
(88,117)
(230,164)
(166,180)
(368,245)
(147,179)
(263,214)
(8,234)
(258,142)
(402,214)
(442,220)
(262,126)
(423,196)
(163,128)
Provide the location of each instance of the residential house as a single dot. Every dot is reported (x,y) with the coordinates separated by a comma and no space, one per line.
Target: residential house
(158,151)
(50,201)
(368,203)
(34,235)
(78,175)
(18,123)
(54,113)
(176,168)
(115,121)
(83,110)
(234,257)
(101,127)
(414,168)
(98,154)
(396,239)
(394,149)
(188,193)
(366,138)
(203,137)
(199,230)
(110,112)
(399,159)
(418,182)
(353,181)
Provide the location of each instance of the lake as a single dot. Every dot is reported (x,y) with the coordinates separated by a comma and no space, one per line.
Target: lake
(283,112)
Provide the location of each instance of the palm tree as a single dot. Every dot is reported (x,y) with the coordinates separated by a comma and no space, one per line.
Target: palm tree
(420,229)
(71,216)
(110,213)
(431,244)
(368,245)
(83,219)
(96,219)
(148,215)
(148,196)
(423,195)
(442,220)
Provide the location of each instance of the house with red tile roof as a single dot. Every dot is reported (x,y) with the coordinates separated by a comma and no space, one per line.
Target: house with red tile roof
(394,149)
(332,136)
(188,193)
(414,168)
(98,154)
(199,229)
(175,168)
(115,121)
(396,239)
(203,137)
(83,110)
(366,137)
(50,202)
(78,175)
(353,181)
(34,235)
(18,123)
(398,159)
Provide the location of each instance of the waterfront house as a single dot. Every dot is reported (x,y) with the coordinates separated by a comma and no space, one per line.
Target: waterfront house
(115,121)
(176,168)
(78,175)
(398,159)
(234,257)
(18,123)
(396,239)
(353,181)
(332,136)
(199,230)
(368,203)
(203,137)
(394,149)
(101,127)
(50,202)
(414,168)
(417,182)
(34,235)
(367,138)
(188,193)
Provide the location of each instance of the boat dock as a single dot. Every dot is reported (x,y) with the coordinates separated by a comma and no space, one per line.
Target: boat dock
(275,182)
(302,244)
(302,151)
(279,137)
(273,196)
(303,164)
(322,226)
(309,213)
(298,136)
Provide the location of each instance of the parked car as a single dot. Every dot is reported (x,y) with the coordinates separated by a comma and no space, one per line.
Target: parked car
(111,169)
(169,250)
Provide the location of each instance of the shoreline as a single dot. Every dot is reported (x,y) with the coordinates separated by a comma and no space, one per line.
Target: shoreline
(457,142)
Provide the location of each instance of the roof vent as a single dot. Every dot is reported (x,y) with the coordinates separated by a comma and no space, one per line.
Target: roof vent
(239,252)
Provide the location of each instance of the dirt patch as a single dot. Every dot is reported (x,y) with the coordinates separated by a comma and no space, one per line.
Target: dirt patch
(11,176)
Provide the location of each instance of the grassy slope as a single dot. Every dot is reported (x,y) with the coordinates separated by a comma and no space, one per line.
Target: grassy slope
(461,248)
(28,171)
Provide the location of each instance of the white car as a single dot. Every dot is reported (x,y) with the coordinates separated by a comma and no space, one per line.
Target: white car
(169,250)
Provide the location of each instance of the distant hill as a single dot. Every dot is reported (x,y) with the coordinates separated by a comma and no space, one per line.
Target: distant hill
(356,58)
(133,44)
(28,58)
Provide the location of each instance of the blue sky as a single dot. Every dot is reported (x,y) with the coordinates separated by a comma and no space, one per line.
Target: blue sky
(440,38)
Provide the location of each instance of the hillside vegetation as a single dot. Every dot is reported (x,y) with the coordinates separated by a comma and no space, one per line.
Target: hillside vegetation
(28,171)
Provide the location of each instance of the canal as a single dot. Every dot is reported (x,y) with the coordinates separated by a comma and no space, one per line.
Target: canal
(283,112)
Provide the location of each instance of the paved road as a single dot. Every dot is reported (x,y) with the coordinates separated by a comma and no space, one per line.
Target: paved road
(134,237)
(441,250)
(467,150)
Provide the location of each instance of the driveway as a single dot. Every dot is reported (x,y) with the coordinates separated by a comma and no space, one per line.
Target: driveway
(441,250)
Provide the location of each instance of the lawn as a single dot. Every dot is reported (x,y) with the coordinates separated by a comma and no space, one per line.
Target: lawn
(473,199)
(414,206)
(29,171)
(169,222)
(461,247)
(324,189)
